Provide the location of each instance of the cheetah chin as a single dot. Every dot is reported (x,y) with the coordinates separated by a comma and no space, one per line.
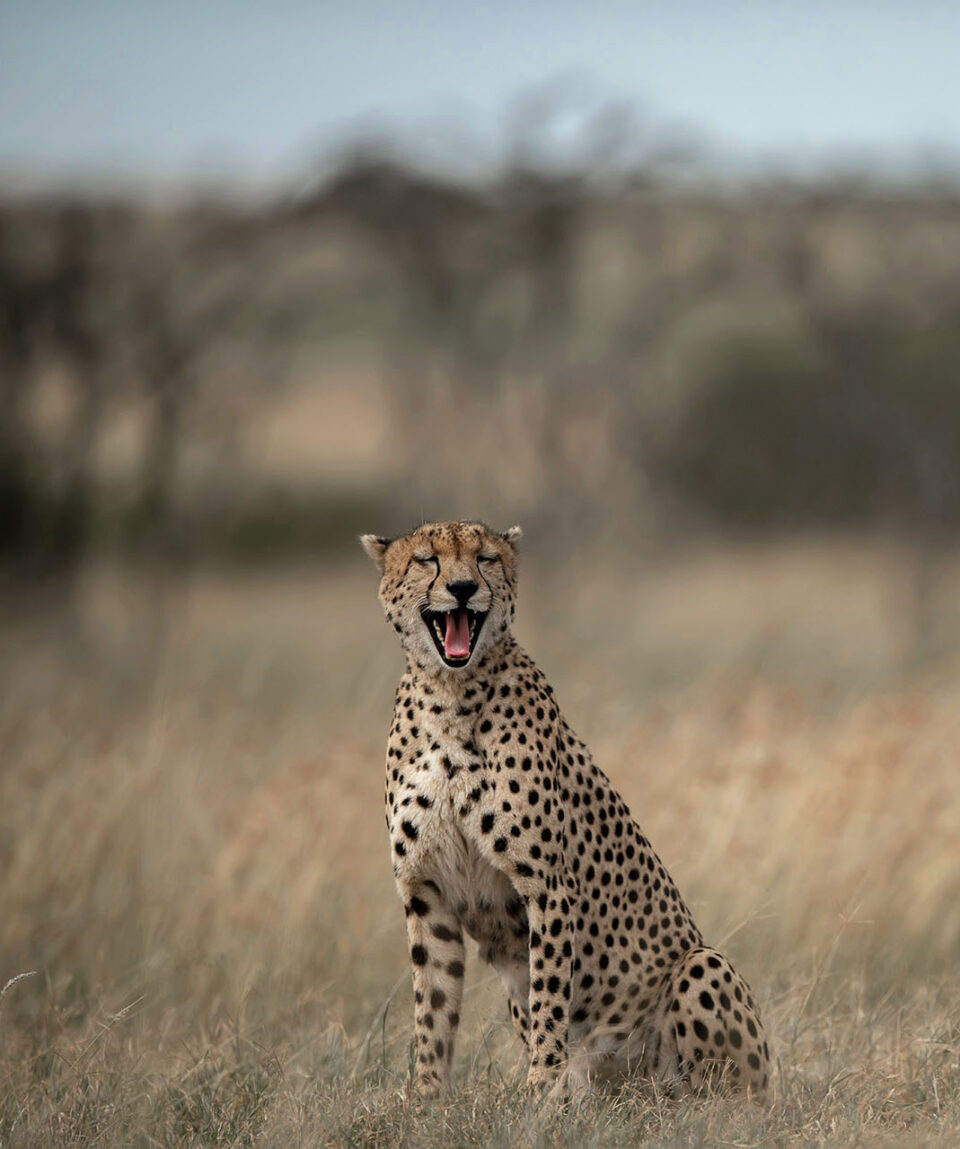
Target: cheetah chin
(454,632)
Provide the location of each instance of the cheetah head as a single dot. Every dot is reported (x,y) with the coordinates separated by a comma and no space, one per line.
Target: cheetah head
(448,589)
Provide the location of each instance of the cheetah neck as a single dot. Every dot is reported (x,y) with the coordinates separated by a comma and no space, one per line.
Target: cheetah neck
(452,684)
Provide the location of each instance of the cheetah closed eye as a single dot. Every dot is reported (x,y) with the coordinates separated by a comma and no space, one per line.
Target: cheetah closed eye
(502,827)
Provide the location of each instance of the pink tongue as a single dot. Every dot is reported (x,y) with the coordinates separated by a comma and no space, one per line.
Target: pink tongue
(456,641)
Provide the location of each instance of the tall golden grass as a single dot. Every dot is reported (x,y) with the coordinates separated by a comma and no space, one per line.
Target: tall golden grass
(194,859)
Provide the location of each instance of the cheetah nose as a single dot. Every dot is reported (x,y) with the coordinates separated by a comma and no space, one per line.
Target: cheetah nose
(462,590)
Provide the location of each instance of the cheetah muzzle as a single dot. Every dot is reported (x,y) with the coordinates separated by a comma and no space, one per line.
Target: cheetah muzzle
(503,828)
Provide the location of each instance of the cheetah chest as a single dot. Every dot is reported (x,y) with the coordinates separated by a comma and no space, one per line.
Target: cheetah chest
(425,805)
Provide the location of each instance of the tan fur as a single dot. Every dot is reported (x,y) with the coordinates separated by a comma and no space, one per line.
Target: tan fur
(502,827)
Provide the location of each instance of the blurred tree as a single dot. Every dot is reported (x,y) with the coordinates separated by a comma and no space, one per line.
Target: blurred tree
(72,293)
(20,305)
(48,314)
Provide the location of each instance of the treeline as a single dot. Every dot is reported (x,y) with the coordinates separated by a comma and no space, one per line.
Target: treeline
(761,358)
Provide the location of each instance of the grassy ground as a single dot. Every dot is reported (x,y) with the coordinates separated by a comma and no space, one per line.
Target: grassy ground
(194,861)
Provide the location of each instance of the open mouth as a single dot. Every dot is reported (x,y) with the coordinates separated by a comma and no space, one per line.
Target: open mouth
(454,632)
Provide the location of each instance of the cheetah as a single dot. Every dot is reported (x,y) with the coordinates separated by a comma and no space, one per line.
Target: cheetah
(501,827)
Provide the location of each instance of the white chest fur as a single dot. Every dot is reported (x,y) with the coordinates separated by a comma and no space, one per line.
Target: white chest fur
(427,791)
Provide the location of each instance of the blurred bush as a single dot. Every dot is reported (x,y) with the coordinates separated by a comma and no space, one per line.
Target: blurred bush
(861,429)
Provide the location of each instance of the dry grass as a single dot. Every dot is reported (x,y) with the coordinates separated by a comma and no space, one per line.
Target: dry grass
(194,860)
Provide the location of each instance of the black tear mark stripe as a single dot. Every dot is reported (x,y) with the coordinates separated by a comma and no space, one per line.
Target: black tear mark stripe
(433,558)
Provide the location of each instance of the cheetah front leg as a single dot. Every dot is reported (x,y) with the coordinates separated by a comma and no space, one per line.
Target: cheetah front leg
(436,956)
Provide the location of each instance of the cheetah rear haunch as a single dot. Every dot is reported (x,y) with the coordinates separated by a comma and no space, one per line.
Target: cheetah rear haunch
(502,827)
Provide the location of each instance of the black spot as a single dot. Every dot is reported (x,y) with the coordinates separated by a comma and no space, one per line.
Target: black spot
(410,830)
(486,823)
(713,961)
(419,906)
(418,955)
(753,1061)
(700,1030)
(751,1028)
(455,969)
(444,933)
(500,845)
(424,802)
(735,1039)
(437,998)
(696,971)
(706,1000)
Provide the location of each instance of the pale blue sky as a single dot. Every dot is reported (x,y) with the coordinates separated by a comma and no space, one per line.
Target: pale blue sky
(172,89)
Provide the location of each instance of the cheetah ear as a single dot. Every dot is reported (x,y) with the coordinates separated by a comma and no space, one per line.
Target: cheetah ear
(376,548)
(513,536)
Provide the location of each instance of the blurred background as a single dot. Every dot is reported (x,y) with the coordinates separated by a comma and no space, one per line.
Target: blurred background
(681,272)
(675,288)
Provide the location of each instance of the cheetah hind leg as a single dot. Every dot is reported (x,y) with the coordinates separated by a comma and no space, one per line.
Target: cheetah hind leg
(521,1022)
(707,1031)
